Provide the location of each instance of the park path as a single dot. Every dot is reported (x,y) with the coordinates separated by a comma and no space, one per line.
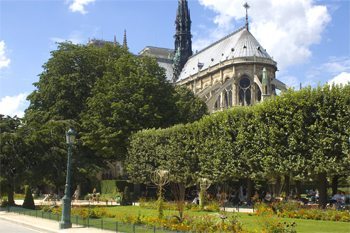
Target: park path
(44,225)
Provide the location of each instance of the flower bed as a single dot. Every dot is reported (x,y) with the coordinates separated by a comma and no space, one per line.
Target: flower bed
(294,210)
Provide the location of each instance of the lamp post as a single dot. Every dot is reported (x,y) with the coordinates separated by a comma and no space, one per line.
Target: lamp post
(66,200)
(204,184)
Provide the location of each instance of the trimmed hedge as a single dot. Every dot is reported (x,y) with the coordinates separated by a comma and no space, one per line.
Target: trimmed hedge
(300,134)
(113,186)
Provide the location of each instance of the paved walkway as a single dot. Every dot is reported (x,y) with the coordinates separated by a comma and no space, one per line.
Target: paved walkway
(45,225)
(240,210)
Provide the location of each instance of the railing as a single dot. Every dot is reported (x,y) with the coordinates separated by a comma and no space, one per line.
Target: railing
(100,223)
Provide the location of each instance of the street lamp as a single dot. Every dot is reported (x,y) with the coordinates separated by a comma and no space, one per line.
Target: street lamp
(66,200)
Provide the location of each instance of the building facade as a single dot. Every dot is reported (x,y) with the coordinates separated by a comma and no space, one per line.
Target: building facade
(233,71)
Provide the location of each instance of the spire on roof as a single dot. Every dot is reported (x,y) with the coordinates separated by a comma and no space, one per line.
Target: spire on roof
(183,37)
(246,6)
(115,40)
(125,43)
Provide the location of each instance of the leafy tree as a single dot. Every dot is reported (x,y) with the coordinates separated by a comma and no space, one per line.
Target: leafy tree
(131,96)
(13,160)
(327,136)
(303,135)
(189,107)
(57,103)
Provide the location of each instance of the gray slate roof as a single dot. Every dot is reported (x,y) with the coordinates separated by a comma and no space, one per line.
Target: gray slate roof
(240,43)
(157,52)
(164,58)
(168,66)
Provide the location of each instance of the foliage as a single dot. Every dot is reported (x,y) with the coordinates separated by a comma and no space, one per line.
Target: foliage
(190,108)
(293,135)
(28,202)
(126,198)
(293,210)
(4,202)
(105,94)
(108,186)
(16,159)
(207,223)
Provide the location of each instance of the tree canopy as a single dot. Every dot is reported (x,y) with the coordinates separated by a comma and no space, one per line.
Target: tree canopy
(300,134)
(105,93)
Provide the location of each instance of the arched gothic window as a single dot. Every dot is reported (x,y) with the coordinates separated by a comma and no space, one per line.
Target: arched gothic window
(228,97)
(245,91)
(217,103)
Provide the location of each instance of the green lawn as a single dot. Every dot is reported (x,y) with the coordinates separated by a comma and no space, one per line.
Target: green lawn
(250,222)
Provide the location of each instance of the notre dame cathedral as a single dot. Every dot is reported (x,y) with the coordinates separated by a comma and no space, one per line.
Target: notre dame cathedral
(235,70)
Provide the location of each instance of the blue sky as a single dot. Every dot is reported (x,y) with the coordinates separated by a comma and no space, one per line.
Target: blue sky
(310,40)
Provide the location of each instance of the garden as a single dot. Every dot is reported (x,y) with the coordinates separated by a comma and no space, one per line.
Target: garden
(195,220)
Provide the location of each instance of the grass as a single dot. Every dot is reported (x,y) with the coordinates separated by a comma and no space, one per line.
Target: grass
(303,225)
(249,221)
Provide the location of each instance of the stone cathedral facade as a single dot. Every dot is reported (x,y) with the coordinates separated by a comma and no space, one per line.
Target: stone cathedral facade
(233,71)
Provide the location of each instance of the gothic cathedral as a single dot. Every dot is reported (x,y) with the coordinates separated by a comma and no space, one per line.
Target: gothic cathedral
(235,70)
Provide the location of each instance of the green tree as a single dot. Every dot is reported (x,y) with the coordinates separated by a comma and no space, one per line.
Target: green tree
(189,107)
(14,160)
(133,95)
(328,135)
(57,103)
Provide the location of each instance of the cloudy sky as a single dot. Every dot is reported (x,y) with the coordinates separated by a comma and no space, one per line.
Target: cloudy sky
(310,40)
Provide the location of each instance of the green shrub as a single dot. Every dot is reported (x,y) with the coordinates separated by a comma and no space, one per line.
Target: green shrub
(293,210)
(28,199)
(108,186)
(4,202)
(126,198)
(114,186)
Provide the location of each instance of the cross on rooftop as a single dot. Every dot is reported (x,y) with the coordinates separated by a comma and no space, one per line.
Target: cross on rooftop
(246,6)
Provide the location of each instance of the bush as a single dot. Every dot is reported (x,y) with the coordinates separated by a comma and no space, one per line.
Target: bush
(126,199)
(28,199)
(292,210)
(4,202)
(108,186)
(114,186)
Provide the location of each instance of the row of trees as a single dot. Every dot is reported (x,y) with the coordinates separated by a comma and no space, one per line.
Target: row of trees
(105,93)
(300,136)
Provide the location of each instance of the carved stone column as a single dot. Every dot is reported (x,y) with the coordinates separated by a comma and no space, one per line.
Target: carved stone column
(222,100)
(234,94)
(253,93)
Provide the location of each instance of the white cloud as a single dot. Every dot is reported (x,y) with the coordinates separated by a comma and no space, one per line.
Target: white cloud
(291,81)
(286,29)
(79,6)
(337,65)
(341,79)
(334,66)
(14,105)
(4,60)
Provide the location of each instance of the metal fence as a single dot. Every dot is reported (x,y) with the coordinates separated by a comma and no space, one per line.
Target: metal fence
(100,223)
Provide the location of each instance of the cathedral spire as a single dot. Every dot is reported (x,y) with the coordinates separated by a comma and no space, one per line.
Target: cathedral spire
(125,42)
(183,38)
(246,6)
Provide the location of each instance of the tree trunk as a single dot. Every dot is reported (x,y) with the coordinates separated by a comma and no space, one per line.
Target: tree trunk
(277,190)
(250,186)
(298,188)
(10,195)
(335,184)
(287,184)
(322,188)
